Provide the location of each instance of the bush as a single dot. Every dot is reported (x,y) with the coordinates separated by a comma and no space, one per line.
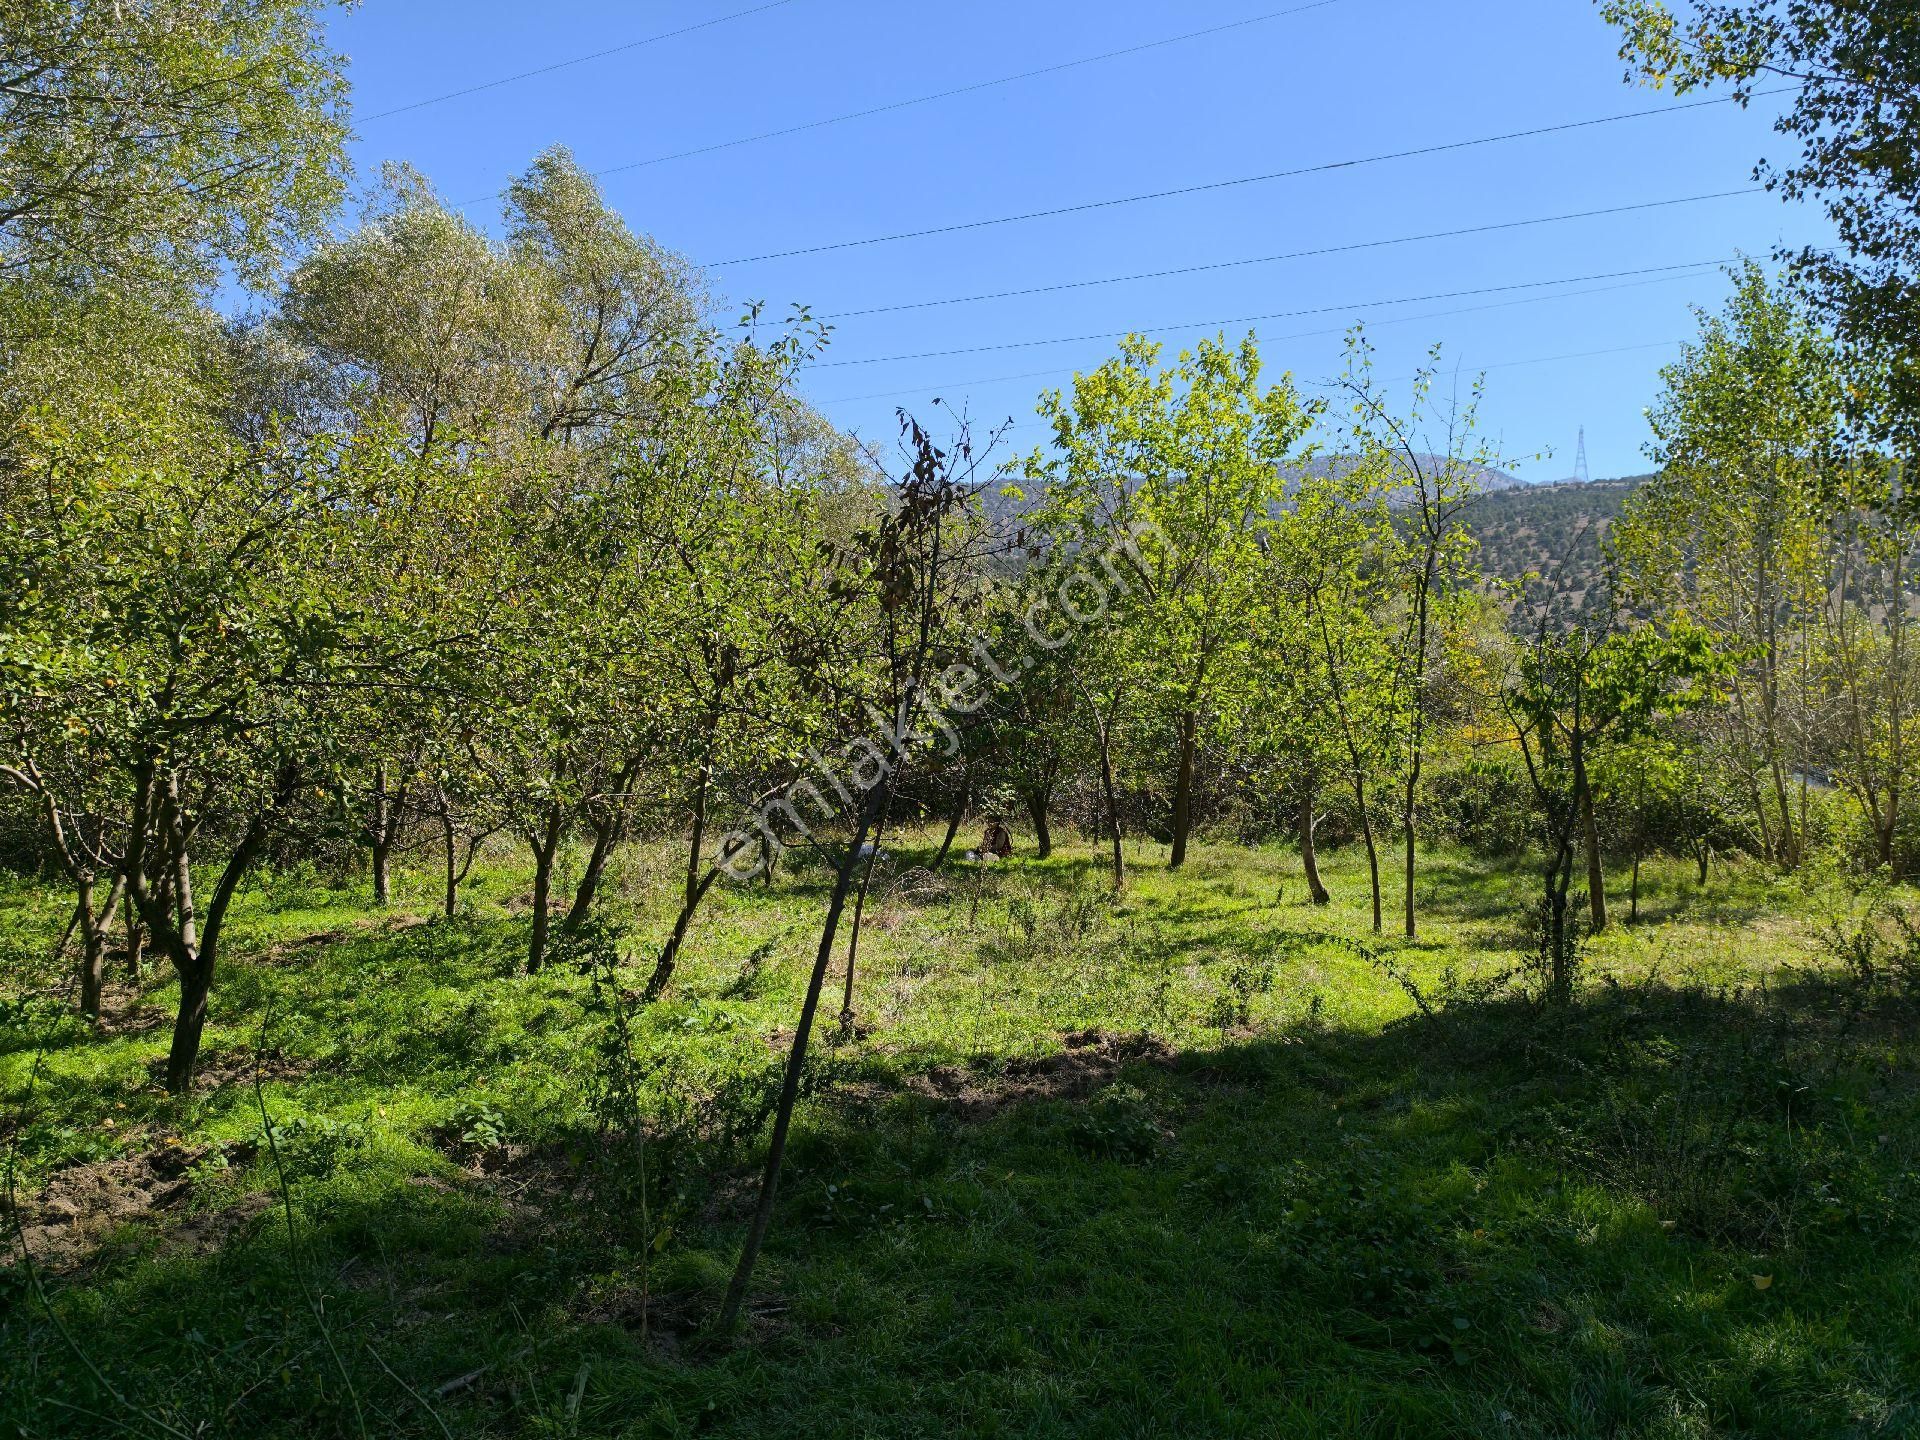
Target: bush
(311,1146)
(1119,1124)
(478,1125)
(1882,947)
(1483,805)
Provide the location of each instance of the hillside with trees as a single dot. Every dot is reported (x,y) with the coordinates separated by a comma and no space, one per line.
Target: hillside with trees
(1558,532)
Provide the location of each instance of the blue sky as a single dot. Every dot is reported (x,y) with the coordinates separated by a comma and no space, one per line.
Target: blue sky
(1343,80)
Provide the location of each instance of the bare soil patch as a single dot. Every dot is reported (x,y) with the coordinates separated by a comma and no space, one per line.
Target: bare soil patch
(82,1207)
(236,1065)
(301,945)
(1092,1058)
(131,1018)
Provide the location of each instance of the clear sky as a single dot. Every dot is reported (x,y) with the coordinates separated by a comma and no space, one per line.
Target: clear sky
(1342,80)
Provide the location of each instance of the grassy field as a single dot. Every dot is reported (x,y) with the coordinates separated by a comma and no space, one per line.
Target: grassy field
(1208,1161)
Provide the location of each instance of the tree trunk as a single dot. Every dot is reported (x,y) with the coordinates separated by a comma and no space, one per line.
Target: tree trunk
(545,844)
(589,886)
(1701,853)
(1356,771)
(1113,808)
(1309,861)
(696,888)
(92,947)
(189,1023)
(1036,800)
(1373,849)
(1896,759)
(1633,890)
(1183,790)
(790,1086)
(670,952)
(456,874)
(1590,834)
(93,939)
(1373,869)
(382,838)
(1789,844)
(451,900)
(1417,729)
(954,821)
(1408,816)
(609,829)
(860,905)
(196,981)
(1559,879)
(859,910)
(163,896)
(175,928)
(136,939)
(1769,845)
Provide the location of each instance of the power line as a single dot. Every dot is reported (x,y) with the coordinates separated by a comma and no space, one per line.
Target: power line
(576,60)
(1288,255)
(930,98)
(1272,315)
(1213,185)
(964,89)
(1296,335)
(1579,355)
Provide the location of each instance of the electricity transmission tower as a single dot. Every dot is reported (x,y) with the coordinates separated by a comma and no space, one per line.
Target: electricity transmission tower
(1580,472)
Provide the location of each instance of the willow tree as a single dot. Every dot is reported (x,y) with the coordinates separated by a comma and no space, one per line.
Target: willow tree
(1735,529)
(542,356)
(149,146)
(146,154)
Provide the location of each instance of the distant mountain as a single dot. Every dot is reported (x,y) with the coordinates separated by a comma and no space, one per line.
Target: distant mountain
(1489,480)
(1556,530)
(1486,477)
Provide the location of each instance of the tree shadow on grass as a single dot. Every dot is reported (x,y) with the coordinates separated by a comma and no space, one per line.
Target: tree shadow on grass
(1494,1217)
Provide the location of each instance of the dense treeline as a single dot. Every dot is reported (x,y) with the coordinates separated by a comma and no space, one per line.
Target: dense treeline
(455,541)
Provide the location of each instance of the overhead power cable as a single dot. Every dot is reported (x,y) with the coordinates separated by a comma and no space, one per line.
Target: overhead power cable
(953,385)
(1271,315)
(959,90)
(1343,249)
(1209,186)
(1570,355)
(569,64)
(915,100)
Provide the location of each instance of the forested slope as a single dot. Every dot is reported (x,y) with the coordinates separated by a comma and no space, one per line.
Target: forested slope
(1555,531)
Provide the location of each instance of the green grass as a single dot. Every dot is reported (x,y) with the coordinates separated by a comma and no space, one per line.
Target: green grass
(1301,1181)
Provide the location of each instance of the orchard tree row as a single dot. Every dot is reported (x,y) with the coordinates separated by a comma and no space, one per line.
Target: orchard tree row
(453,541)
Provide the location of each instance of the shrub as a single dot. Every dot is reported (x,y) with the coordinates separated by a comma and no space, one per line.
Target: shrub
(1483,805)
(308,1146)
